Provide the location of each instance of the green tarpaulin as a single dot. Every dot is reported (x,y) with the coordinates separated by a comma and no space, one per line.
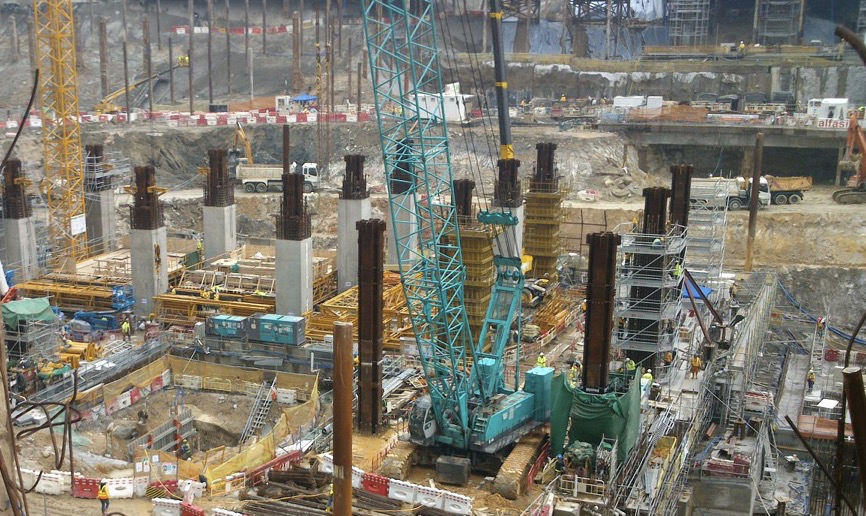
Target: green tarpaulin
(38,309)
(594,416)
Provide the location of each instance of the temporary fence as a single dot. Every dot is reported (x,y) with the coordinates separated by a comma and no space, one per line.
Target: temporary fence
(186,119)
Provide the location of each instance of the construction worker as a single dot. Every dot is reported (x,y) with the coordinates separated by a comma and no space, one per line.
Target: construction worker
(820,324)
(669,358)
(126,328)
(696,365)
(330,498)
(356,360)
(541,361)
(657,243)
(741,49)
(810,379)
(185,450)
(630,365)
(733,290)
(102,495)
(634,226)
(559,465)
(199,247)
(648,376)
(562,98)
(678,270)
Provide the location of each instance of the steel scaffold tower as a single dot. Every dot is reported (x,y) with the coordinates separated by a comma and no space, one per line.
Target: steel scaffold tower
(688,21)
(61,132)
(777,22)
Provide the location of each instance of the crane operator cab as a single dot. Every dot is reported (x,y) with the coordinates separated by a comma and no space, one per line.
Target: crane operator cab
(422,422)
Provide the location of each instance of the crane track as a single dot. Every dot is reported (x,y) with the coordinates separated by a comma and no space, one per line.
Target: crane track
(850,196)
(398,461)
(511,480)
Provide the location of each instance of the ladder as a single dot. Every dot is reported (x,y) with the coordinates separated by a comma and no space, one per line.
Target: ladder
(260,410)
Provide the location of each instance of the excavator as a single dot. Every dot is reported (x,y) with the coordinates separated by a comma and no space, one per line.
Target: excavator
(241,141)
(107,105)
(855,193)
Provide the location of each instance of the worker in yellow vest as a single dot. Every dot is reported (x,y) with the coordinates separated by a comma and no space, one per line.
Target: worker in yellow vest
(541,361)
(648,375)
(102,495)
(126,328)
(696,365)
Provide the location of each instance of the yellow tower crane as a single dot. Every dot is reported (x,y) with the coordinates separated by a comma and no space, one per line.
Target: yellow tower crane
(61,131)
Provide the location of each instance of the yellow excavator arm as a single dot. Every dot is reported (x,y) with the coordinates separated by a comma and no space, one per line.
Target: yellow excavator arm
(242,140)
(107,105)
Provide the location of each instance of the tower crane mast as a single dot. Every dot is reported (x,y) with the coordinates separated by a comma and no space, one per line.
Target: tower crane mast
(61,131)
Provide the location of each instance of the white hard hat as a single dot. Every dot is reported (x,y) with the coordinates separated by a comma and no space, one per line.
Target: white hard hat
(649,370)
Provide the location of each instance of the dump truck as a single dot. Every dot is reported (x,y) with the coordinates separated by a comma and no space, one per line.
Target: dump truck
(261,178)
(734,193)
(785,190)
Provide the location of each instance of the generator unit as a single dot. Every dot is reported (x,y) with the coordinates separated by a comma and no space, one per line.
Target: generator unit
(276,329)
(228,326)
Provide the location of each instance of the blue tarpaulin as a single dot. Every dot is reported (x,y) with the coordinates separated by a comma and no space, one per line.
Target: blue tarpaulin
(304,97)
(694,291)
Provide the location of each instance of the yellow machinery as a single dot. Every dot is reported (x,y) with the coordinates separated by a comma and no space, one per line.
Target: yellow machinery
(83,350)
(61,132)
(107,105)
(242,140)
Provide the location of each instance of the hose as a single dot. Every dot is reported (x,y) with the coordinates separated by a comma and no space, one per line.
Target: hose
(835,331)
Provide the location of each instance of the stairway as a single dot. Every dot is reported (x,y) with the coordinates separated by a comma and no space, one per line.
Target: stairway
(260,410)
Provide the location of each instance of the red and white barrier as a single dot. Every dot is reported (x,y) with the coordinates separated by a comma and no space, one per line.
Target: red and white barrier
(119,487)
(166,507)
(406,492)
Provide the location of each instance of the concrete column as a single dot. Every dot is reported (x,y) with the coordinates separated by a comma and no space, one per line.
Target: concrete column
(643,158)
(515,233)
(20,255)
(220,229)
(149,259)
(294,281)
(101,222)
(406,226)
(350,211)
(748,161)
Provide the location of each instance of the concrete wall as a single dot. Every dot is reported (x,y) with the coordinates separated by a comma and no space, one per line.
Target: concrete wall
(20,246)
(220,229)
(294,281)
(349,212)
(149,278)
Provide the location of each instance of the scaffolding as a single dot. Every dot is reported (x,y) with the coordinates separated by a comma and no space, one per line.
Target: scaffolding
(476,243)
(34,339)
(543,218)
(777,22)
(688,21)
(708,220)
(648,291)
